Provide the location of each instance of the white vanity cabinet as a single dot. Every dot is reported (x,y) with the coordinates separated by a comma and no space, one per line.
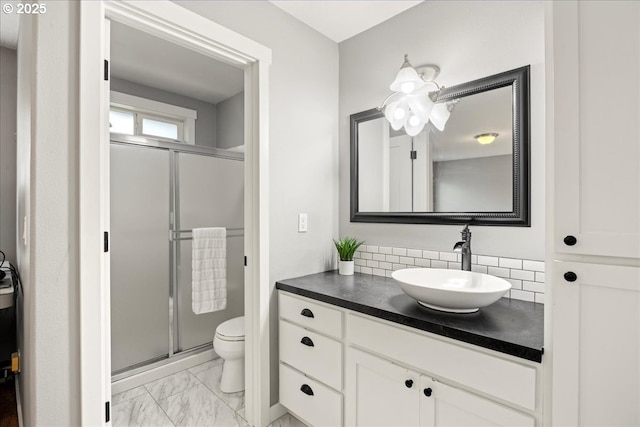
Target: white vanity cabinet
(365,371)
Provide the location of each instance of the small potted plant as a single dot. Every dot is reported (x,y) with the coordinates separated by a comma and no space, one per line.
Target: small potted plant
(346,247)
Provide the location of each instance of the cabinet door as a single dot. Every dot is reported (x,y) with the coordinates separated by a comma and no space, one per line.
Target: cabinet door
(596,344)
(379,393)
(596,131)
(443,405)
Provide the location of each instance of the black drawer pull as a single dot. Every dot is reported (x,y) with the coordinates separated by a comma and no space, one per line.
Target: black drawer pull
(428,391)
(570,276)
(307,341)
(570,240)
(306,390)
(408,383)
(307,313)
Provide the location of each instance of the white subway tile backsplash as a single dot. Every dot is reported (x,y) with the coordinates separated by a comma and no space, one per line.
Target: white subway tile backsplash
(431,254)
(499,271)
(515,283)
(356,269)
(366,255)
(533,265)
(527,277)
(400,251)
(448,256)
(415,253)
(488,260)
(479,268)
(379,257)
(421,262)
(392,258)
(533,286)
(439,264)
(407,260)
(510,263)
(523,275)
(522,295)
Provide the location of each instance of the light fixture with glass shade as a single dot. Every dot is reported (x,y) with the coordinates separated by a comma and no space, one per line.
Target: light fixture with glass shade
(486,138)
(412,104)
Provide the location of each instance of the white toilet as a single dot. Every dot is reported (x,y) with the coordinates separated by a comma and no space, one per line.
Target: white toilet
(228,343)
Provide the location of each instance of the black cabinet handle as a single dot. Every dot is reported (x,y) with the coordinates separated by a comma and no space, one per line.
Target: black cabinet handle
(306,390)
(307,313)
(570,276)
(408,383)
(570,240)
(428,391)
(307,341)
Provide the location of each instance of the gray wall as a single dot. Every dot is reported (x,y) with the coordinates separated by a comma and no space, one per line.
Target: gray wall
(8,85)
(230,121)
(206,121)
(467,40)
(303,135)
(482,184)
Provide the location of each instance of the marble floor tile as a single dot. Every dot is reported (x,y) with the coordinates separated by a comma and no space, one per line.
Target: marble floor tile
(198,406)
(119,398)
(139,411)
(173,384)
(207,365)
(211,378)
(287,420)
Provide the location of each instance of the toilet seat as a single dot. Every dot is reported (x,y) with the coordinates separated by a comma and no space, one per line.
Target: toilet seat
(231,330)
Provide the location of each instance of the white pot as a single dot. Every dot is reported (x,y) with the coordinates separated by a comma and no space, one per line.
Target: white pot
(345,268)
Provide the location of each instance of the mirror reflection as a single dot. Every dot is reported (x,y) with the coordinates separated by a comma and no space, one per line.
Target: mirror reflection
(466,167)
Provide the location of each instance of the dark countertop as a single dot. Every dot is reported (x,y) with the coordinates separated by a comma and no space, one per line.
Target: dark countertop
(509,326)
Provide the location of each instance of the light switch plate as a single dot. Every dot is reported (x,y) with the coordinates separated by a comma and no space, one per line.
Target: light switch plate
(302,223)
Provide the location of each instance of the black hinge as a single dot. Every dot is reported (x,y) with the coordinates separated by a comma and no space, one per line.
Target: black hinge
(413,154)
(245,261)
(106,69)
(106,241)
(107,412)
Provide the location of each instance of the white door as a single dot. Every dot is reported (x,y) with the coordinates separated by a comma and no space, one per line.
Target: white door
(442,405)
(379,393)
(596,131)
(596,342)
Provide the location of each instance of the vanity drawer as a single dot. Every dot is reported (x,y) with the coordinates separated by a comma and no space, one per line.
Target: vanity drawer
(312,401)
(314,354)
(309,314)
(504,379)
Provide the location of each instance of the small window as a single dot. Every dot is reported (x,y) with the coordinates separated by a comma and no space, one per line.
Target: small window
(159,128)
(122,122)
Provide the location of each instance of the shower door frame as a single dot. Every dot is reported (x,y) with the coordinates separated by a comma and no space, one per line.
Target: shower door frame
(174,352)
(174,23)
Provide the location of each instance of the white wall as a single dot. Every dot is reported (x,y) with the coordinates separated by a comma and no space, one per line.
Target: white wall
(467,40)
(47,181)
(303,134)
(230,122)
(8,84)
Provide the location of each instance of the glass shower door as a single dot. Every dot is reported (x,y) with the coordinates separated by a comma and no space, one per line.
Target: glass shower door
(140,268)
(210,193)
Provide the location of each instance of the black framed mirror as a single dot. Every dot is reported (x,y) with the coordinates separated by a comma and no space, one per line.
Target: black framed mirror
(453,176)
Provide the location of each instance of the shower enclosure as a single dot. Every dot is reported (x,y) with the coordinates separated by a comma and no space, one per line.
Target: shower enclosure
(160,191)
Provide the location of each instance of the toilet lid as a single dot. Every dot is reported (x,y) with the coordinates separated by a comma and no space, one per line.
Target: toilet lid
(232,328)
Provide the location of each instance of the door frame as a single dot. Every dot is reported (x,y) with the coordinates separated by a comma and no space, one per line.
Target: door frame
(174,23)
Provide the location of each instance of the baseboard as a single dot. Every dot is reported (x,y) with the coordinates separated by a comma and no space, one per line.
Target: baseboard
(167,368)
(276,412)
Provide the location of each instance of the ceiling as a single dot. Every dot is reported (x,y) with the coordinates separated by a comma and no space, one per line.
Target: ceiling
(343,19)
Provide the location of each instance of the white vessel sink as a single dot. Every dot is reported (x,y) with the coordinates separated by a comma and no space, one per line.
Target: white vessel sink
(454,291)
